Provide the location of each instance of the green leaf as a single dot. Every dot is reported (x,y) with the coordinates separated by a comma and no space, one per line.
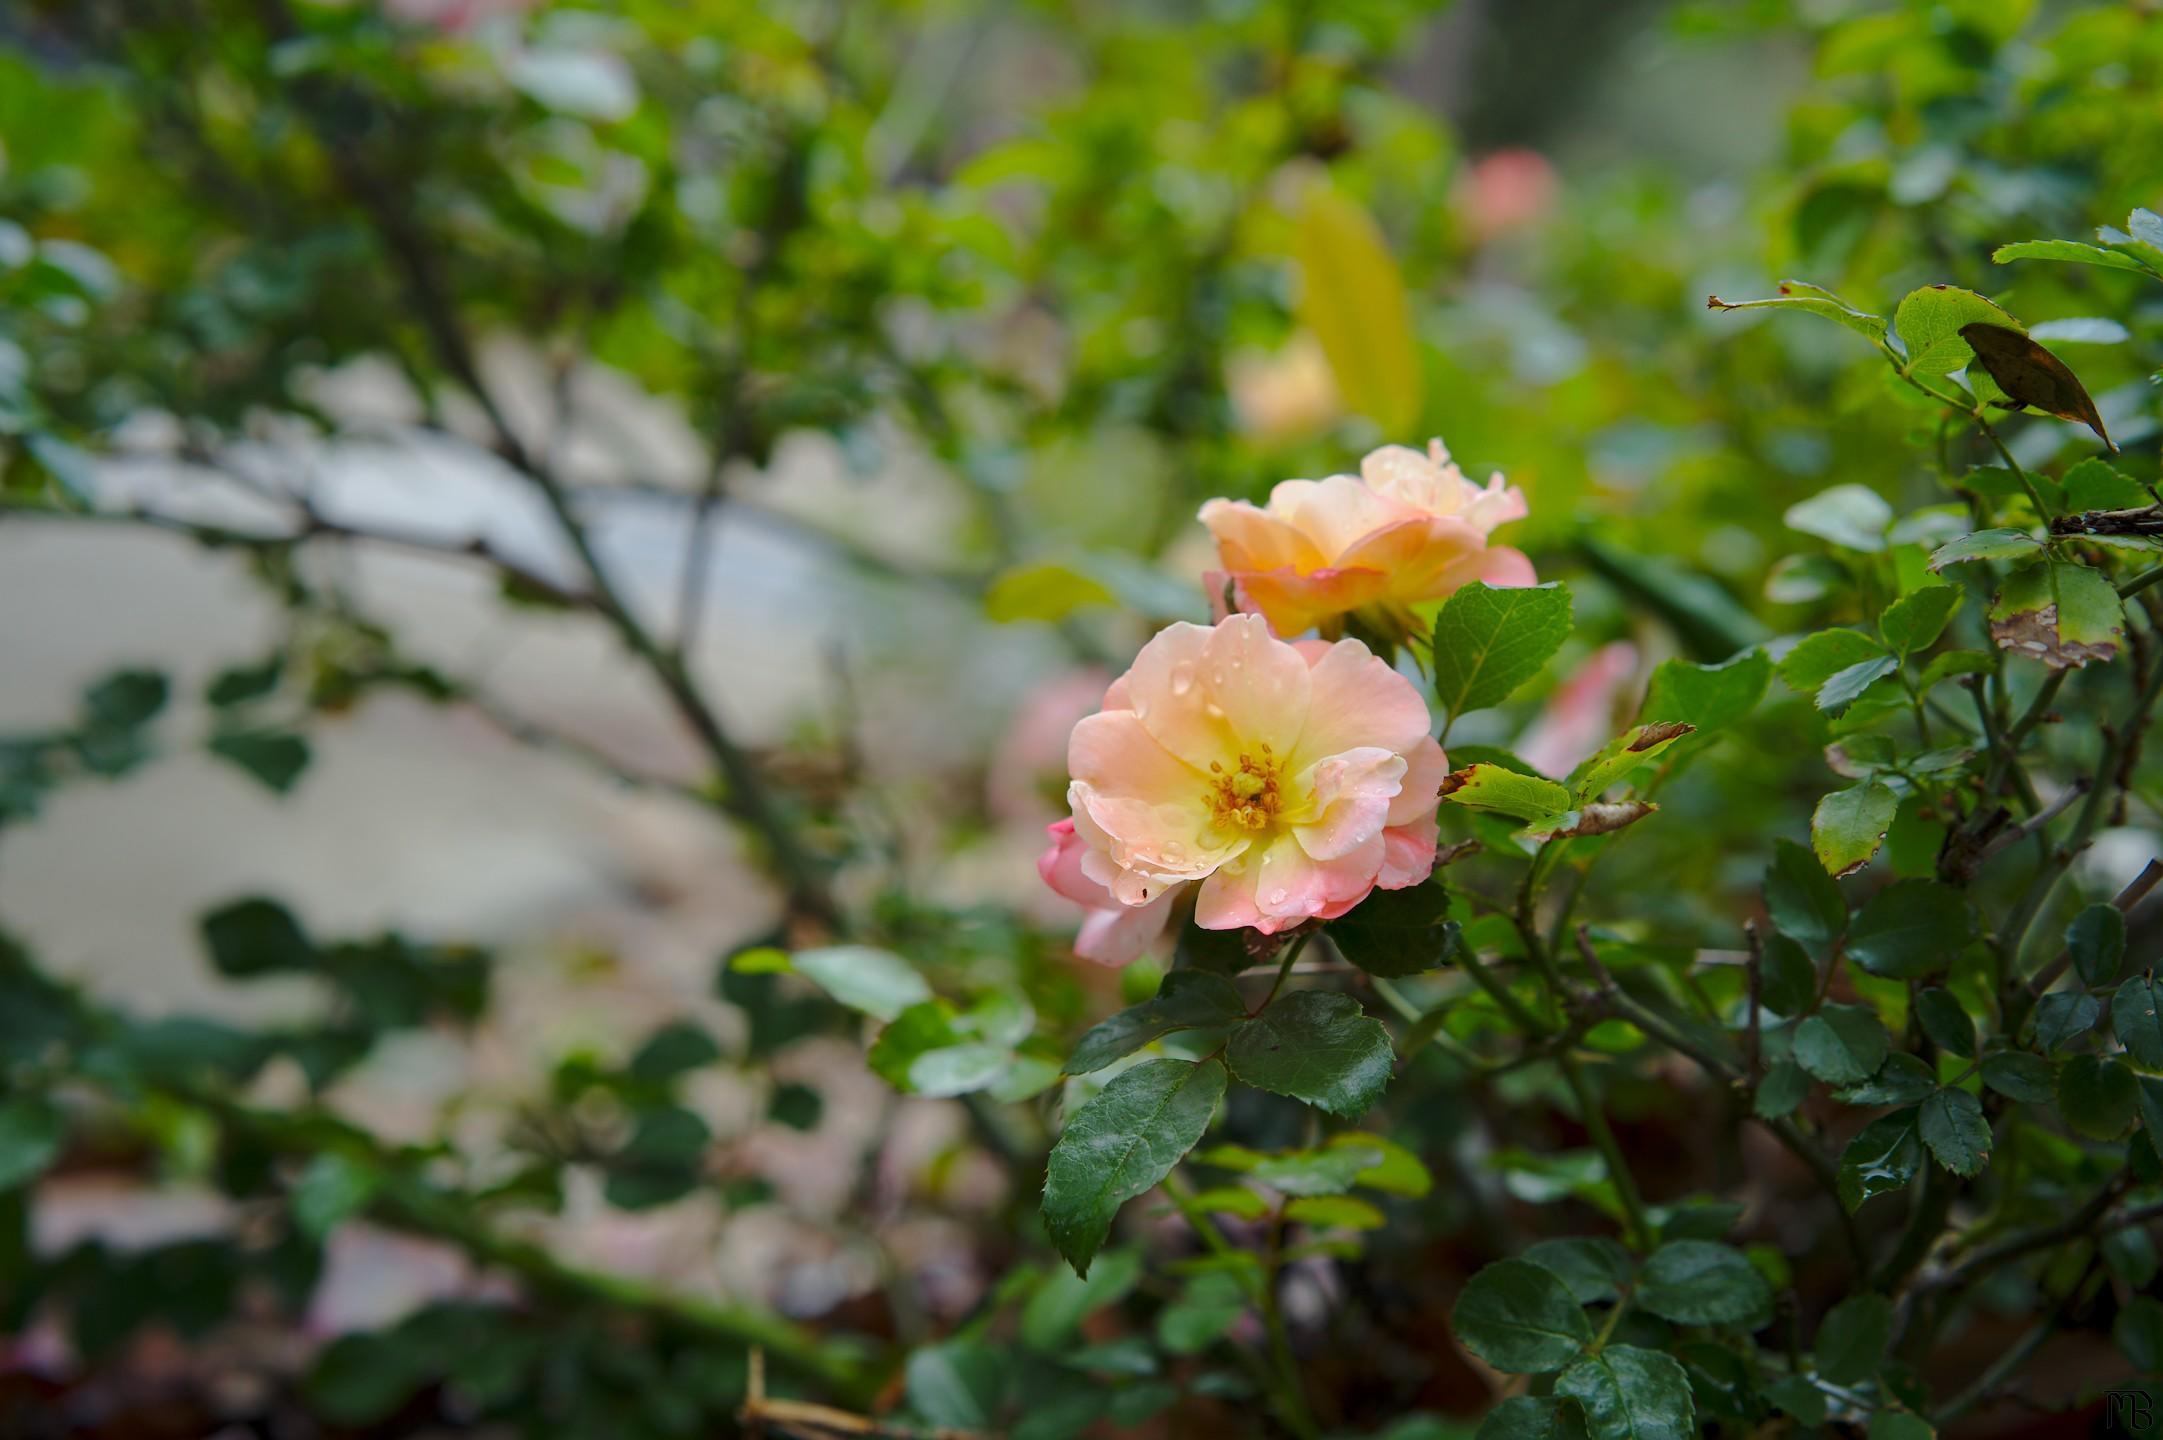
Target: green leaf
(672,1050)
(1853,517)
(1946,1022)
(1188,1000)
(1632,1394)
(1592,1267)
(1060,1305)
(1810,300)
(1210,1305)
(1883,1157)
(1916,620)
(333,1187)
(2130,1254)
(1702,1282)
(1901,1080)
(1505,792)
(931,1048)
(1987,545)
(256,937)
(1795,1395)
(1849,825)
(1954,663)
(1490,640)
(242,683)
(1121,1144)
(30,1135)
(1523,1417)
(2148,1104)
(1634,748)
(1394,933)
(1042,591)
(1852,1338)
(1841,1044)
(660,1162)
(956,1385)
(126,698)
(1804,901)
(1911,928)
(2071,252)
(1314,1046)
(1784,1087)
(1847,686)
(1951,1123)
(1334,1212)
(2063,615)
(1708,697)
(1929,322)
(1707,620)
(2136,1013)
(1520,1318)
(2095,484)
(2098,1096)
(1352,298)
(2096,941)
(877,982)
(1900,1425)
(1787,979)
(2017,1075)
(275,758)
(2063,1016)
(1817,658)
(2138,1333)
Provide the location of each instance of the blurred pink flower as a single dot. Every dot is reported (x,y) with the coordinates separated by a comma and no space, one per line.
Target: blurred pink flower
(1506,191)
(453,15)
(1287,781)
(1411,527)
(1028,770)
(1580,716)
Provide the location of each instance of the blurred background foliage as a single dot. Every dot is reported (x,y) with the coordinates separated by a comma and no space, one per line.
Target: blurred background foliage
(621,312)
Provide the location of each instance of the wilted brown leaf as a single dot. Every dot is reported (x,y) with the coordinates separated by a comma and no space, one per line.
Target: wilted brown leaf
(2033,376)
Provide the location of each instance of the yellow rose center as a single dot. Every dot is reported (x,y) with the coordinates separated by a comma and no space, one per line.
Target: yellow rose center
(1250,795)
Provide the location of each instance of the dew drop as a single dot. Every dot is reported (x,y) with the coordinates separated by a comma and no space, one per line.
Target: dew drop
(1182,678)
(1277,897)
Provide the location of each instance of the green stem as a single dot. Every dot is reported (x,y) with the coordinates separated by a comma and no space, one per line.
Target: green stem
(2035,496)
(2140,582)
(1639,1223)
(1284,968)
(1498,992)
(408,1202)
(1292,1390)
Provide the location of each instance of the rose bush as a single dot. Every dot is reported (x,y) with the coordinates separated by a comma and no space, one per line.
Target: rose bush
(767,430)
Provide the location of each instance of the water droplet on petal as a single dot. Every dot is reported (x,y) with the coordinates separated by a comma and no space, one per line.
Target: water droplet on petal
(1278,897)
(1182,678)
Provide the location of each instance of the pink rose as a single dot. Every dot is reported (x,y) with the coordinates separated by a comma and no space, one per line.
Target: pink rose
(1411,527)
(1286,781)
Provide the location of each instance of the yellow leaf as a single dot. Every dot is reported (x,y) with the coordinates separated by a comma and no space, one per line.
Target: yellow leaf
(1042,592)
(1352,297)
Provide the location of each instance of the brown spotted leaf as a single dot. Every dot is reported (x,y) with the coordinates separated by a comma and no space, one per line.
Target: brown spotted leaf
(2063,615)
